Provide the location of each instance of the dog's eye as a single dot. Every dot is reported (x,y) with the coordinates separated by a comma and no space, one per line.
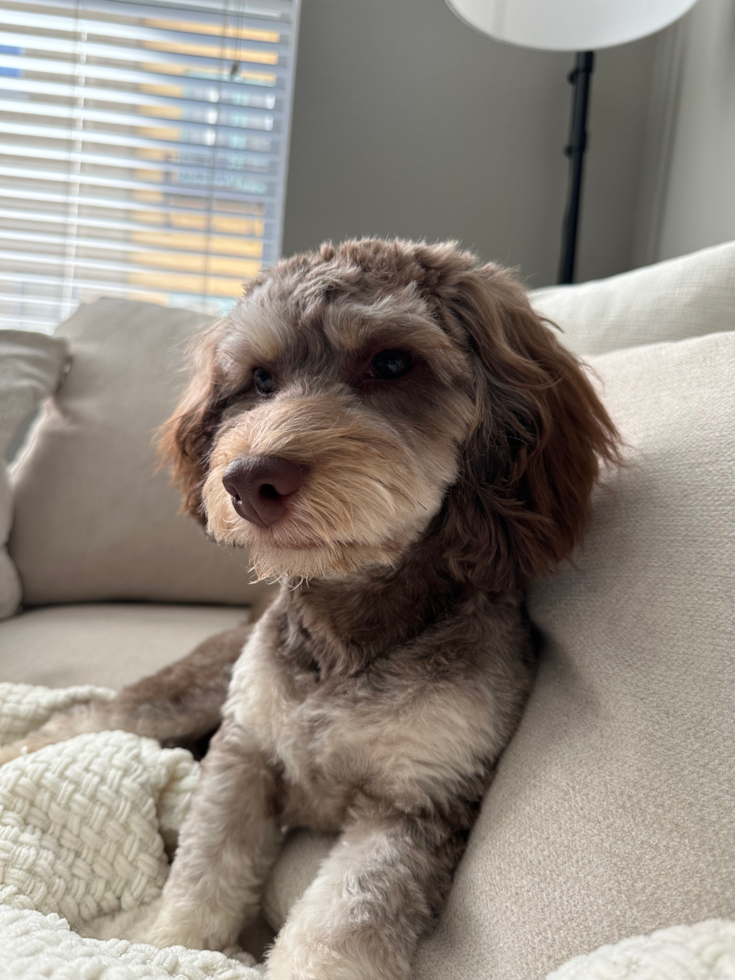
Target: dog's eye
(389,364)
(263,381)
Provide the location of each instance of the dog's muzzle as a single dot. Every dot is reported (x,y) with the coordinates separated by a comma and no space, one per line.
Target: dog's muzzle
(260,485)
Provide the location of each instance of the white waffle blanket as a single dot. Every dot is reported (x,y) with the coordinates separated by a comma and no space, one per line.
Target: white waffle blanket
(705,951)
(83,829)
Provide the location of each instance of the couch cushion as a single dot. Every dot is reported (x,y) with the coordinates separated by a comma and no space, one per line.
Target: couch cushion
(108,644)
(673,300)
(612,811)
(31,365)
(94,520)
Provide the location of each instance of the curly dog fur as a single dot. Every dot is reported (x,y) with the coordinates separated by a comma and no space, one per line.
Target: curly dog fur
(376,693)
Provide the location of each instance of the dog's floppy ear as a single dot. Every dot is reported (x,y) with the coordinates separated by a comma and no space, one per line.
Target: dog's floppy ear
(185,440)
(540,434)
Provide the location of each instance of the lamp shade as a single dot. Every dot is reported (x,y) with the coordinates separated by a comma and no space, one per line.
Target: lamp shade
(569,25)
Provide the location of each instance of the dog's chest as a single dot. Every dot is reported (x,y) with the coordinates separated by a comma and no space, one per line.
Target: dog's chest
(332,740)
(306,728)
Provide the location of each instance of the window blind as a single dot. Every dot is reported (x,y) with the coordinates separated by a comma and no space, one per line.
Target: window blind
(143,151)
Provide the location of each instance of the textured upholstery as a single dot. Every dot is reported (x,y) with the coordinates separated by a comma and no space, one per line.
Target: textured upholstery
(109,644)
(612,813)
(683,297)
(31,365)
(110,528)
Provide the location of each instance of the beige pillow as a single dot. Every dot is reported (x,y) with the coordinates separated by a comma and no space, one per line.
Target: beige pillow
(94,520)
(612,812)
(679,298)
(30,369)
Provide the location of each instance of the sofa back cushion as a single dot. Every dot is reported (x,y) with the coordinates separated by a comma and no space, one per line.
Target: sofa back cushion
(683,297)
(31,366)
(612,811)
(94,519)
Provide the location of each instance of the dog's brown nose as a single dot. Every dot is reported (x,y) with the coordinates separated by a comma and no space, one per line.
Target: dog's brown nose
(258,486)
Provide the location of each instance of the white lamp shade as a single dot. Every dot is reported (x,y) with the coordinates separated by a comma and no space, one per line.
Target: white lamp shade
(569,25)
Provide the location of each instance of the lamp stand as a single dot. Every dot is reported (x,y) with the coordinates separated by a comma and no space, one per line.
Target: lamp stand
(579,79)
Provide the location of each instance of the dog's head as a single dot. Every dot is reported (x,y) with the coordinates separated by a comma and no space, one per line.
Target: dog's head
(366,397)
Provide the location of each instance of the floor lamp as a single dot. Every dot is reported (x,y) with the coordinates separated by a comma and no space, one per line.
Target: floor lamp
(582,26)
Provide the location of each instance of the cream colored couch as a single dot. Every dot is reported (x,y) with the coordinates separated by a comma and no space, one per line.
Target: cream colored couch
(612,810)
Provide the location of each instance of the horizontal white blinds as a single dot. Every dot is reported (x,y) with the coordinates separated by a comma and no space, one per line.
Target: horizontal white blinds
(143,151)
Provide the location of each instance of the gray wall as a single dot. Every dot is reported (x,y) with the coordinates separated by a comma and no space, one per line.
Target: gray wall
(407,122)
(699,202)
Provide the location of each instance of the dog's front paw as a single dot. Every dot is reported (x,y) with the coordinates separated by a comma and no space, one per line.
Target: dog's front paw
(177,926)
(315,961)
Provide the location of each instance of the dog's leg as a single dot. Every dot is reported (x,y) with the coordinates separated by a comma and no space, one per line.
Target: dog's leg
(227,845)
(374,895)
(178,705)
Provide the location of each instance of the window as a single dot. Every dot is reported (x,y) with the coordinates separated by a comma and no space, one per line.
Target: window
(143,151)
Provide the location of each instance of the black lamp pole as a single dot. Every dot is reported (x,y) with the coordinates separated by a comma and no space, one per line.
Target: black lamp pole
(579,78)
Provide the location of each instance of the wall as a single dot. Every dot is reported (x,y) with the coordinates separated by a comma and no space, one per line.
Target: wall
(698,203)
(407,122)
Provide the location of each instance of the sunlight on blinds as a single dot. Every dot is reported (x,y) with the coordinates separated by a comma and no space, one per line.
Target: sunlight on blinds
(143,152)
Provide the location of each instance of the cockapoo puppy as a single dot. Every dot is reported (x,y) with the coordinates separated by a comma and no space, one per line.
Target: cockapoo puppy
(397,437)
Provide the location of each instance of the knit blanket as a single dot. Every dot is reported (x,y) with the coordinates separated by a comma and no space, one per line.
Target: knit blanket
(705,951)
(85,828)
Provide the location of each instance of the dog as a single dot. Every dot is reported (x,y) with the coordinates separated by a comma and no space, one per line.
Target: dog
(397,437)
